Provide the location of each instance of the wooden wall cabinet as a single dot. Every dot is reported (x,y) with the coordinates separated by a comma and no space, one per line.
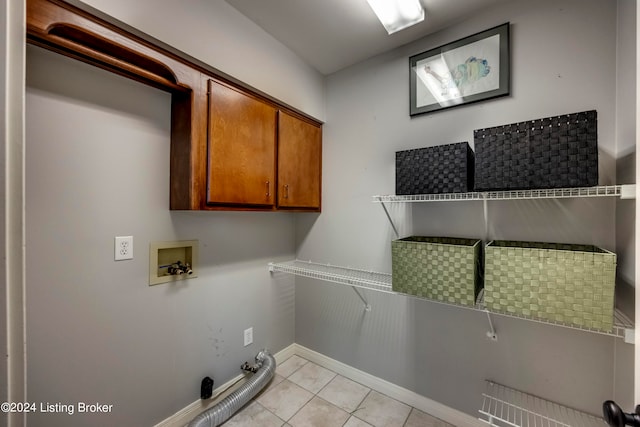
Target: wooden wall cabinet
(241,148)
(226,149)
(259,155)
(299,163)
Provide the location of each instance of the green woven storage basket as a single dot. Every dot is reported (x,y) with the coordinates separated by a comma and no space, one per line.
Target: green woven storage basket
(563,283)
(439,268)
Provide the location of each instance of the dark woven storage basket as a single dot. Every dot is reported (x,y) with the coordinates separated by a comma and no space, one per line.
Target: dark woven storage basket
(440,169)
(553,152)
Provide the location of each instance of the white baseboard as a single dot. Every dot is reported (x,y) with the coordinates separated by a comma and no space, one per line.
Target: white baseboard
(438,410)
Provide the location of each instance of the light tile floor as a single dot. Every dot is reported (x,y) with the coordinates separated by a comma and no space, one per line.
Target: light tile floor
(303,394)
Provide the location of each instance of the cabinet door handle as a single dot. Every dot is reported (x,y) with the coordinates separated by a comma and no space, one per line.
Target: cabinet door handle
(286,191)
(268,188)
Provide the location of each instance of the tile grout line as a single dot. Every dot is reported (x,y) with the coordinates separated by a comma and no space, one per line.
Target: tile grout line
(335,374)
(404,424)
(316,394)
(287,379)
(295,413)
(350,413)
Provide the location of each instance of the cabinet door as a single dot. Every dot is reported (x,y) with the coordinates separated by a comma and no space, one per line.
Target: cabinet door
(242,148)
(299,163)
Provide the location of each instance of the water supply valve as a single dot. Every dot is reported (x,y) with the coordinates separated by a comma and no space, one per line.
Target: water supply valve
(250,368)
(178,268)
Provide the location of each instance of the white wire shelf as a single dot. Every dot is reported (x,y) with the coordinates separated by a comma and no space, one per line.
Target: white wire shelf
(381,282)
(343,275)
(505,407)
(626,191)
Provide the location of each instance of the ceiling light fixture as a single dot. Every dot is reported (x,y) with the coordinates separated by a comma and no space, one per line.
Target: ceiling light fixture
(397,15)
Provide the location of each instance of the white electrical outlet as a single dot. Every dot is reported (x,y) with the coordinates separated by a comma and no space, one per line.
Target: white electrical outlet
(123,248)
(248,336)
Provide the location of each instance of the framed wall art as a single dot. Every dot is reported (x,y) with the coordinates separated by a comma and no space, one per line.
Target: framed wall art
(471,69)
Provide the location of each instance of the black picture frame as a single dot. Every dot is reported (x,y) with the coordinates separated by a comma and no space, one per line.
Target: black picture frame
(472,69)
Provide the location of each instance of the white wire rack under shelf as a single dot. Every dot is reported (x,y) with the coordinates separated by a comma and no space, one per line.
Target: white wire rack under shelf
(505,407)
(381,282)
(626,191)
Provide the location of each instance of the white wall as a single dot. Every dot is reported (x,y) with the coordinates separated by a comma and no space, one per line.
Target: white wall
(563,57)
(97,167)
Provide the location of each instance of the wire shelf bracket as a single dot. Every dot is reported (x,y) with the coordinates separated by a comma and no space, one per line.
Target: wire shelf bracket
(367,306)
(491,333)
(393,226)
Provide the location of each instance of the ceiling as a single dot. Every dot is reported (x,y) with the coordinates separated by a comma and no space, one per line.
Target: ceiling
(334,34)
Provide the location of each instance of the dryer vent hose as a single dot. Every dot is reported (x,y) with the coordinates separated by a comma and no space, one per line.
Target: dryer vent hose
(222,411)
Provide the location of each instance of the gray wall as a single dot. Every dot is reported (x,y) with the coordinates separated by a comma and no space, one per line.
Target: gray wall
(97,167)
(626,172)
(563,60)
(626,152)
(12,50)
(217,34)
(96,331)
(4,78)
